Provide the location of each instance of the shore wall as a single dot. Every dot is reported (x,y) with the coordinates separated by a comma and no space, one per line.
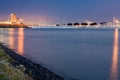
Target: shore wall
(13,26)
(36,71)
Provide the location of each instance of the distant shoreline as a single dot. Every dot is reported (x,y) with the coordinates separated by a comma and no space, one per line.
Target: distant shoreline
(13,26)
(71,27)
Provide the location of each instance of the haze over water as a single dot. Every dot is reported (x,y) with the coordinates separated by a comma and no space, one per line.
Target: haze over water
(76,54)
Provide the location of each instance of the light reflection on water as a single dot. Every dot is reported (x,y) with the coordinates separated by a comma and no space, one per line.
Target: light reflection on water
(1,36)
(14,38)
(114,68)
(20,48)
(81,55)
(11,38)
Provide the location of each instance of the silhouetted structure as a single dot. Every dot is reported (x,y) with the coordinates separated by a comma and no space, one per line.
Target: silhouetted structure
(69,24)
(84,24)
(57,24)
(93,24)
(76,24)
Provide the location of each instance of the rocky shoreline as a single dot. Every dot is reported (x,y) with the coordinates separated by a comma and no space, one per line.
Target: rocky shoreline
(35,71)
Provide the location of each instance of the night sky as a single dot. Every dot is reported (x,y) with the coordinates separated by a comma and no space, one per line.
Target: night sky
(54,11)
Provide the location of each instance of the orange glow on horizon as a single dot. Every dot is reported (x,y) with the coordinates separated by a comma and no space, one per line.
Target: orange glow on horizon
(114,67)
(20,41)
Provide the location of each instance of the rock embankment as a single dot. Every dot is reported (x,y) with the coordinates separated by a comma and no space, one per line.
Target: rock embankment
(13,26)
(36,71)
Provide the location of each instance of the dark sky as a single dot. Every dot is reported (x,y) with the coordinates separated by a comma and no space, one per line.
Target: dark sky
(61,10)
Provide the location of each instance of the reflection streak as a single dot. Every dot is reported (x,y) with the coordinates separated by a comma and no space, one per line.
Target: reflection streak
(1,35)
(114,67)
(11,38)
(20,41)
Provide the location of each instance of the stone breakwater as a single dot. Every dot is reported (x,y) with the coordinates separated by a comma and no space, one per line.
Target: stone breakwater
(36,71)
(13,26)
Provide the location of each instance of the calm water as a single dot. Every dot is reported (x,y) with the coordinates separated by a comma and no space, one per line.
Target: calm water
(76,54)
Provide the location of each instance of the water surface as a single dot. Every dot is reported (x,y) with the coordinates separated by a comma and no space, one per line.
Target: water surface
(76,54)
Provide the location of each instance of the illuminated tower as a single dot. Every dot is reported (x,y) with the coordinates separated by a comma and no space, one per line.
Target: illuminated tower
(114,19)
(13,18)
